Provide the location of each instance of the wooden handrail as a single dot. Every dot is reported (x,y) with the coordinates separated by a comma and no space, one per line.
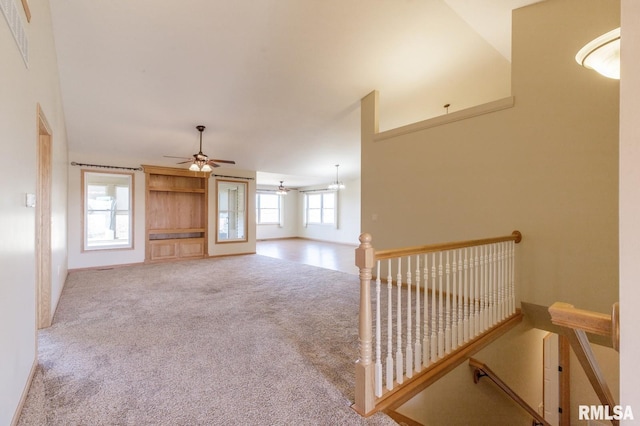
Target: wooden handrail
(566,315)
(579,322)
(515,236)
(482,370)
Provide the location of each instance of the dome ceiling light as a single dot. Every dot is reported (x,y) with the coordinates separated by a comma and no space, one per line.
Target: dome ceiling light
(602,54)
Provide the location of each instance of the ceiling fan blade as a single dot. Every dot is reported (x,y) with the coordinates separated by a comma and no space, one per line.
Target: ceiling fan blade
(223,161)
(171,156)
(185,162)
(212,164)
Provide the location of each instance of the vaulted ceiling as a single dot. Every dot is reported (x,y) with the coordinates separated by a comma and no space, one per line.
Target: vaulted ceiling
(278,83)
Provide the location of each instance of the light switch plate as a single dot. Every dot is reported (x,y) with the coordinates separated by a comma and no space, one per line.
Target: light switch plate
(30,200)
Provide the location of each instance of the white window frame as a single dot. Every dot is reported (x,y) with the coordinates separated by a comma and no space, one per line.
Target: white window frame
(259,208)
(322,222)
(233,219)
(91,210)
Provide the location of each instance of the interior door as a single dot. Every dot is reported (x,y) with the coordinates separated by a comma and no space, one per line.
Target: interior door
(43,223)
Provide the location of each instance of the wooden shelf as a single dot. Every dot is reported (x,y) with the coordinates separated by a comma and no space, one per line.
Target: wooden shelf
(184,190)
(176,213)
(176,231)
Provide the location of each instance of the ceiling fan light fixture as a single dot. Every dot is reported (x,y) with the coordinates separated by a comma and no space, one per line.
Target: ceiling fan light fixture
(602,54)
(337,185)
(206,168)
(194,167)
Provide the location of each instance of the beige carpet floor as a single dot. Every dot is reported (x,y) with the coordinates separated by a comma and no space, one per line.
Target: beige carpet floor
(243,340)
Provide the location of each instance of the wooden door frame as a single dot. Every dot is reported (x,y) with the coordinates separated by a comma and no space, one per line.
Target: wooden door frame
(43,221)
(564,377)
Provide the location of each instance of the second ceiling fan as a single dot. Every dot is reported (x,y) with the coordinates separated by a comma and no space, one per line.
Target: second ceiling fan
(201,162)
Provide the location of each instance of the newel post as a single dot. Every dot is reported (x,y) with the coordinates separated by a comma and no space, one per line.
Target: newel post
(365,387)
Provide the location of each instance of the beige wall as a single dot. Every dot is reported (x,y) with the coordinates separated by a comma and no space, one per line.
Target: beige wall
(22,89)
(547,166)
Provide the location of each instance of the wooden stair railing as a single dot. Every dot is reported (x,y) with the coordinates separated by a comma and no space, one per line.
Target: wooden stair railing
(441,304)
(481,370)
(576,324)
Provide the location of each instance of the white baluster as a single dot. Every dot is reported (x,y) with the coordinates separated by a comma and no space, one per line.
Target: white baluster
(494,294)
(478,291)
(485,276)
(454,302)
(492,282)
(418,346)
(483,282)
(472,293)
(459,273)
(440,310)
(507,279)
(434,339)
(389,375)
(425,340)
(447,325)
(399,357)
(409,350)
(497,287)
(465,334)
(501,293)
(378,363)
(487,261)
(512,290)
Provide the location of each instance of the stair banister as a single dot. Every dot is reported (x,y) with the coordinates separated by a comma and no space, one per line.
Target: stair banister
(470,281)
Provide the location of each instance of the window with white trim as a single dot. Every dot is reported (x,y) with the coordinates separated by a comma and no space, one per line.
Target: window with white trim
(321,208)
(267,209)
(108,210)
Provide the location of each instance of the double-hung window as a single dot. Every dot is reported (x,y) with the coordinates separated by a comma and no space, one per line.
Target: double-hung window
(321,208)
(107,210)
(267,209)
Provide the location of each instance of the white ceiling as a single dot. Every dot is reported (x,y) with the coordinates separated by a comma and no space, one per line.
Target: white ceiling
(278,83)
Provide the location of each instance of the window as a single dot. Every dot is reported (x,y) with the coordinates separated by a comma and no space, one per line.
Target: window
(232,212)
(108,210)
(321,208)
(268,209)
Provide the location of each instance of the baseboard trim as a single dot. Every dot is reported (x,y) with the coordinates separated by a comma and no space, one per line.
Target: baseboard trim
(104,267)
(214,256)
(25,391)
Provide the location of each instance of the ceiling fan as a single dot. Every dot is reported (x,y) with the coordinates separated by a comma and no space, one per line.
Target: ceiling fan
(282,190)
(200,162)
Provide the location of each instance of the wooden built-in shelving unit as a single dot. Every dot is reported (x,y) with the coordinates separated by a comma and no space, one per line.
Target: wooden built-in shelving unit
(176,213)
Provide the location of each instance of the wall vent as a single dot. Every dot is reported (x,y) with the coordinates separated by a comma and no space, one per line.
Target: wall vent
(12,16)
